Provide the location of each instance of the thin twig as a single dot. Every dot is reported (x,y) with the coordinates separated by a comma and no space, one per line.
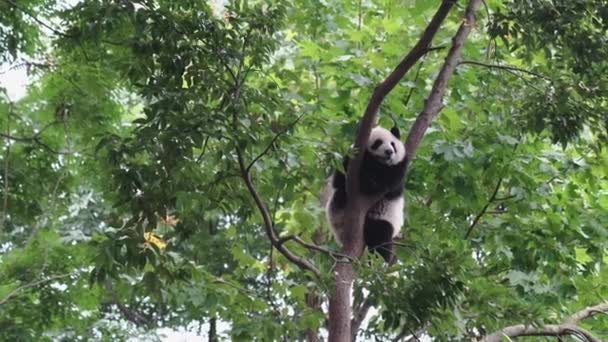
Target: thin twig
(16,291)
(36,140)
(31,15)
(54,30)
(405,331)
(359,21)
(314,247)
(200,157)
(318,248)
(505,67)
(506,198)
(273,140)
(485,4)
(28,65)
(409,94)
(6,168)
(484,209)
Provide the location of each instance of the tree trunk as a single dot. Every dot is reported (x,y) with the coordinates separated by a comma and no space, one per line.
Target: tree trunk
(340,306)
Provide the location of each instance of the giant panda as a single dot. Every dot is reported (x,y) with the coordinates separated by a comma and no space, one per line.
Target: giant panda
(382,172)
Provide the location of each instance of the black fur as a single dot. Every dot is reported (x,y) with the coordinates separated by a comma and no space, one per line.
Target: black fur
(395,132)
(378,236)
(375,177)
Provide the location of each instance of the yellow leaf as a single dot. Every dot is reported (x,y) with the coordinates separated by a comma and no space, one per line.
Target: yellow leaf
(155,240)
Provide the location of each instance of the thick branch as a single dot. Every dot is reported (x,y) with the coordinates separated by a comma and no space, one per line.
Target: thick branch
(522,330)
(588,312)
(268,224)
(433,104)
(129,314)
(568,328)
(132,315)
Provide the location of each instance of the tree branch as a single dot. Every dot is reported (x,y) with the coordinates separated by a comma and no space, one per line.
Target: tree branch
(35,18)
(522,330)
(7,155)
(130,315)
(36,140)
(505,67)
(568,328)
(588,312)
(49,27)
(318,248)
(405,332)
(274,139)
(268,224)
(484,209)
(433,104)
(314,247)
(409,94)
(16,291)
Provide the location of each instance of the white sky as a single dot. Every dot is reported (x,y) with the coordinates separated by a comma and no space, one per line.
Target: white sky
(14,80)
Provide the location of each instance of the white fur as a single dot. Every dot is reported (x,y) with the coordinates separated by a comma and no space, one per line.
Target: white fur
(390,211)
(387,138)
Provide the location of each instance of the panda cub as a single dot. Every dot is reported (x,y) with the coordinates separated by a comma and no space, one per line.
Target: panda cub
(382,171)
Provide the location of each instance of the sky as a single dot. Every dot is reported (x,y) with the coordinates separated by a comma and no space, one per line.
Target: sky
(14,80)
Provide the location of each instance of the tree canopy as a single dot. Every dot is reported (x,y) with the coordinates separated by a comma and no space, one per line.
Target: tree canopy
(165,168)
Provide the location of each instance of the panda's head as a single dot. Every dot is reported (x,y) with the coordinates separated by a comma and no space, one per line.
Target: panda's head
(385,146)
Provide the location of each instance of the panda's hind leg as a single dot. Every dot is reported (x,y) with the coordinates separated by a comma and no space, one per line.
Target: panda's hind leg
(378,236)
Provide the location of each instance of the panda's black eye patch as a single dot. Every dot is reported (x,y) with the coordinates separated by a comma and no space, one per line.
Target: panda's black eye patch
(393,145)
(376,144)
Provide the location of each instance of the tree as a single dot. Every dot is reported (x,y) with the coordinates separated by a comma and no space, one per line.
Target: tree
(167,164)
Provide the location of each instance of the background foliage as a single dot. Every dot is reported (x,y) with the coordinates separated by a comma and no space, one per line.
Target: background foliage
(123,209)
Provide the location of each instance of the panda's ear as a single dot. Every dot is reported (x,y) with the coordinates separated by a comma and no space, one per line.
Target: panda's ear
(395,132)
